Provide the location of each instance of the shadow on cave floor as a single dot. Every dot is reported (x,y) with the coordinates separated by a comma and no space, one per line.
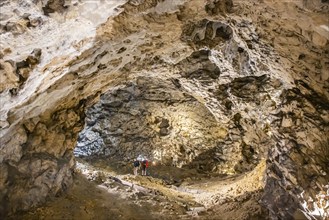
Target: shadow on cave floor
(105,189)
(98,192)
(86,200)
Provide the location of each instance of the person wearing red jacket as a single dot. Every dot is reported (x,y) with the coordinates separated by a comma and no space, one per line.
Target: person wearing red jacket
(145,165)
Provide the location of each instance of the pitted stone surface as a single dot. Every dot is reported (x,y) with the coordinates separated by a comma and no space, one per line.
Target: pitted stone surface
(255,73)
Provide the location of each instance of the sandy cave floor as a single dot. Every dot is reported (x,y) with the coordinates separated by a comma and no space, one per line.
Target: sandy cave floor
(106,189)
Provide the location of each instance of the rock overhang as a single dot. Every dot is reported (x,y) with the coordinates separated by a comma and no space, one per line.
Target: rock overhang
(122,49)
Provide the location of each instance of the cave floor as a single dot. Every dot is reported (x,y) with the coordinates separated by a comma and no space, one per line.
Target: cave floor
(104,189)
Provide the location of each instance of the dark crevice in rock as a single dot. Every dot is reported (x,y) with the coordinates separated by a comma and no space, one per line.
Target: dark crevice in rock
(207,33)
(199,66)
(318,101)
(215,7)
(52,6)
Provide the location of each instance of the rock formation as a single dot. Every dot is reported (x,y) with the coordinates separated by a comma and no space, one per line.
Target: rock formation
(214,85)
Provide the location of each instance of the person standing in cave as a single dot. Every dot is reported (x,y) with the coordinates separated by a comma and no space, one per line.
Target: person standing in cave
(136,167)
(144,165)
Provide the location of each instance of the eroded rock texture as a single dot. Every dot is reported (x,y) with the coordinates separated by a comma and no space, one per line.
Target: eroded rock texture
(212,85)
(152,117)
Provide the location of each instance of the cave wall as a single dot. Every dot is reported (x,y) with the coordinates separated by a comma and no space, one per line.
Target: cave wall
(258,67)
(37,161)
(152,117)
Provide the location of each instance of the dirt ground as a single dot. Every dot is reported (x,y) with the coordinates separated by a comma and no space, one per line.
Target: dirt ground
(106,189)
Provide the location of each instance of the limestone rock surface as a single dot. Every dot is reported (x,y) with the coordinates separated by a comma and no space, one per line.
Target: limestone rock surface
(212,85)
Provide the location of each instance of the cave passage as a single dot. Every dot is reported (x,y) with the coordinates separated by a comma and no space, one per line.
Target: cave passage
(227,99)
(182,141)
